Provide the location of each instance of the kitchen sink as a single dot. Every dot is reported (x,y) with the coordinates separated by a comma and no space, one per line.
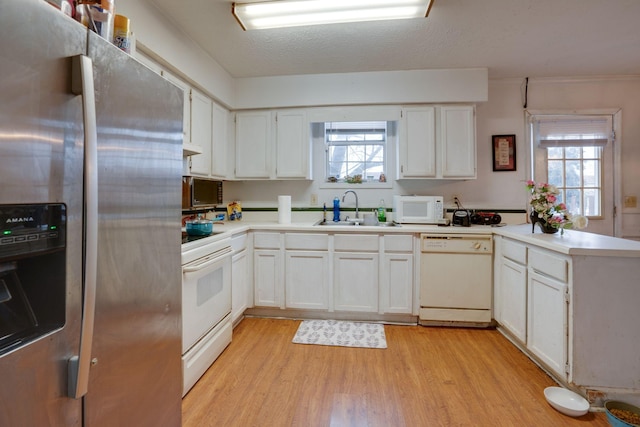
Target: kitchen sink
(352,223)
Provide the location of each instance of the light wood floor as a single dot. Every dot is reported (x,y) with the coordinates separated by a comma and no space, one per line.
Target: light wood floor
(426,377)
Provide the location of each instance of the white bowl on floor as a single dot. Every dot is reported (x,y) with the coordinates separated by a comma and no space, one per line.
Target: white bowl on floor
(566,401)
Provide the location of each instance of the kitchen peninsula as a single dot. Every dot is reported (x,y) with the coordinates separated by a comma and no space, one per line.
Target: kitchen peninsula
(568,301)
(571,302)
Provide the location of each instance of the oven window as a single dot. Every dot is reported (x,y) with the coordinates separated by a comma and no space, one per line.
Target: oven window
(209,286)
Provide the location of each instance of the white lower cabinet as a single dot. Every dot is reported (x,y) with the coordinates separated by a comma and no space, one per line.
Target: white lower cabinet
(547,321)
(533,287)
(396,275)
(267,270)
(307,280)
(355,281)
(548,309)
(307,271)
(240,283)
(512,277)
(267,277)
(342,272)
(355,272)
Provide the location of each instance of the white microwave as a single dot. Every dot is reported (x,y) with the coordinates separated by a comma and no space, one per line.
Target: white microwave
(418,209)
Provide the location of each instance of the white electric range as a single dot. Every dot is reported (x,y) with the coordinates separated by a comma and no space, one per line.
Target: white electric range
(206,304)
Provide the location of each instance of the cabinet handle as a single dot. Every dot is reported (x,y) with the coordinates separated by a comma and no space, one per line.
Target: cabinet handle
(207,262)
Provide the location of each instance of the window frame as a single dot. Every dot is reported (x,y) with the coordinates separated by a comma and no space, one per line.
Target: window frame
(582,188)
(610,192)
(388,145)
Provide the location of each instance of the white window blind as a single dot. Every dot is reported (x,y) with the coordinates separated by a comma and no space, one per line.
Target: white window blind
(572,131)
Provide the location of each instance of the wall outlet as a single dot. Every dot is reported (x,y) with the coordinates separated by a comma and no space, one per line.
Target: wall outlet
(314,199)
(630,202)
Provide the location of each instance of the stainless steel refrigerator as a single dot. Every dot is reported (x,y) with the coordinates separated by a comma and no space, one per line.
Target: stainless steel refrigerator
(90,199)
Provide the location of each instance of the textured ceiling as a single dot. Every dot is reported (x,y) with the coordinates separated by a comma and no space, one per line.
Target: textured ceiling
(512,38)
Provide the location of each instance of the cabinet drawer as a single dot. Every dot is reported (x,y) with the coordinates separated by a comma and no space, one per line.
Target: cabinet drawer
(553,265)
(398,243)
(239,242)
(514,251)
(317,242)
(266,240)
(356,242)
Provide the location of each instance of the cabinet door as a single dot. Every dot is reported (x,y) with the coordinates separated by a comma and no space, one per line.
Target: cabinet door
(396,283)
(355,282)
(186,115)
(417,143)
(547,321)
(307,279)
(219,142)
(253,145)
(513,298)
(201,130)
(267,277)
(239,285)
(457,142)
(292,145)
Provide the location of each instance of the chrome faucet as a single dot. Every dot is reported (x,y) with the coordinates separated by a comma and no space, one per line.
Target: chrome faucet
(354,193)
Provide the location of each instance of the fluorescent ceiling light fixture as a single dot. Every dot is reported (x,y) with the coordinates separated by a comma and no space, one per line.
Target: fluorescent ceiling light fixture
(294,13)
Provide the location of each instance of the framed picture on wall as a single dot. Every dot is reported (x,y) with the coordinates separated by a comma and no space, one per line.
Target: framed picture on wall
(504,152)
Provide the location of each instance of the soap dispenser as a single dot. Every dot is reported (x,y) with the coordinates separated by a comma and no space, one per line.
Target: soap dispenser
(336,209)
(382,212)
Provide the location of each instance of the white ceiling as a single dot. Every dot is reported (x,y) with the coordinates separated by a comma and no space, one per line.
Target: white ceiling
(512,38)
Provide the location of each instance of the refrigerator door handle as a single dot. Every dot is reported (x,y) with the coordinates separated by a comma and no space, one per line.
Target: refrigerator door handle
(82,84)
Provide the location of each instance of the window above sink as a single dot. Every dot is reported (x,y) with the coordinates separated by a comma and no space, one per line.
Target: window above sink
(356,152)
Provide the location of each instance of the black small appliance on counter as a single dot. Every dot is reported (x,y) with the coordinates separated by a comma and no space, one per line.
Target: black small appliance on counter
(485,218)
(461,217)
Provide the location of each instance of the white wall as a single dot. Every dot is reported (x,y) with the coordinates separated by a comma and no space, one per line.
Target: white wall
(391,87)
(603,93)
(503,113)
(155,34)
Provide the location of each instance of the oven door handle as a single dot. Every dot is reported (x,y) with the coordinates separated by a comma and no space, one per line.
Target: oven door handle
(212,259)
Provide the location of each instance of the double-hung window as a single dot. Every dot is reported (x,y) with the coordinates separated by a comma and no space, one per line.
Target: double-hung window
(568,153)
(356,152)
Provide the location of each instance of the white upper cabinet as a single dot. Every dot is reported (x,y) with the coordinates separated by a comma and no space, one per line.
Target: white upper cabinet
(457,141)
(201,131)
(292,145)
(417,146)
(209,132)
(188,148)
(253,145)
(219,142)
(437,142)
(272,145)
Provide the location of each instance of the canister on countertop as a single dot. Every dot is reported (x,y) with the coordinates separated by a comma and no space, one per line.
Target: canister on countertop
(121,33)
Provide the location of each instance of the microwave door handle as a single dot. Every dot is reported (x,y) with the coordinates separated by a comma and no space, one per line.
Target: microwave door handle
(82,84)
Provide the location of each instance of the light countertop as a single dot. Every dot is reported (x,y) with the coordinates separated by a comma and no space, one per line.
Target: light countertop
(572,242)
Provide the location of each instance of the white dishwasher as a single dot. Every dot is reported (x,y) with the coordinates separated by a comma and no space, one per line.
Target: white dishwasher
(456,279)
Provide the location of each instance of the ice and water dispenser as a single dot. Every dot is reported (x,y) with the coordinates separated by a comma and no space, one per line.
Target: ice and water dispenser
(32,272)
